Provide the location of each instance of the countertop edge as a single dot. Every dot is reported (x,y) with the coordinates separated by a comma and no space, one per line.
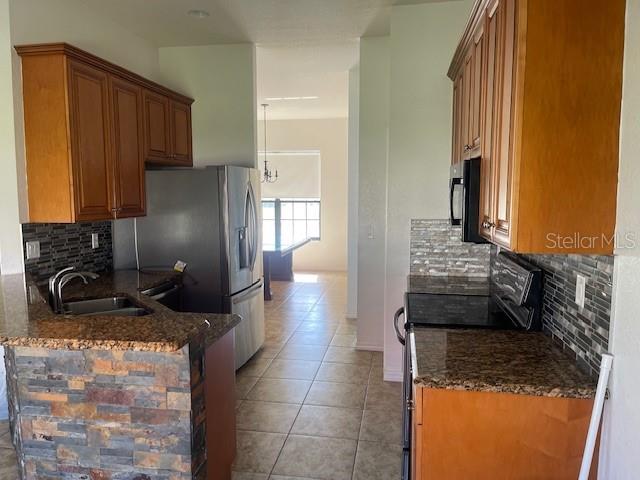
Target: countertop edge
(514,389)
(33,308)
(128,345)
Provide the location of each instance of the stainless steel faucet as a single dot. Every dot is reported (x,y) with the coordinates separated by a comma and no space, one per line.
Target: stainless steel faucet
(53,279)
(60,279)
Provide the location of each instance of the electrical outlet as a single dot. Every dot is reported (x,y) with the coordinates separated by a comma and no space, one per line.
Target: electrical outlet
(581,286)
(95,243)
(33,250)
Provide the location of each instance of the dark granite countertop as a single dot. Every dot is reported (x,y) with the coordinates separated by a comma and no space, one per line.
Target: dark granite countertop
(27,320)
(452,285)
(526,363)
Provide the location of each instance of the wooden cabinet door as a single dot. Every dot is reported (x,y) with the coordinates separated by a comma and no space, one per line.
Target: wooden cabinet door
(90,141)
(503,152)
(467,83)
(128,149)
(456,147)
(220,407)
(489,95)
(181,133)
(478,63)
(157,144)
(417,434)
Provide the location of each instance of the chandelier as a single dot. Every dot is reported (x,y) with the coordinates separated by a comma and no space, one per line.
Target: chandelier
(268,175)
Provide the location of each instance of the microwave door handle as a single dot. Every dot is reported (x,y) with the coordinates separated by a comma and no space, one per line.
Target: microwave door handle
(452,186)
(396,317)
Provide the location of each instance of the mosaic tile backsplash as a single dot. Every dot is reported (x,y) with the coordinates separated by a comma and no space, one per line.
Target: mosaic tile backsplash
(437,249)
(584,333)
(63,245)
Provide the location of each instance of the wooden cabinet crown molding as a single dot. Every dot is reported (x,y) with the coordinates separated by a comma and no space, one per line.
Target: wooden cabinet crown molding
(475,19)
(90,59)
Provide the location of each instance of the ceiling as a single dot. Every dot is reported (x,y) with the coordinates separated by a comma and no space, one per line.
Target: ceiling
(166,23)
(320,70)
(304,47)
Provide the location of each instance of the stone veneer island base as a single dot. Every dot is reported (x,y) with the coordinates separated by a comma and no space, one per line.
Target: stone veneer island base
(121,415)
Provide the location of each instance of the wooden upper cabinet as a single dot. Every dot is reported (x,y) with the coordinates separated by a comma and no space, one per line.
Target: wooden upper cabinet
(467,91)
(167,131)
(128,151)
(85,130)
(465,116)
(503,158)
(90,141)
(550,97)
(490,71)
(156,124)
(181,133)
(475,121)
(456,145)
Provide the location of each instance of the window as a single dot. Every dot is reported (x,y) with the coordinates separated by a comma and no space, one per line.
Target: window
(287,221)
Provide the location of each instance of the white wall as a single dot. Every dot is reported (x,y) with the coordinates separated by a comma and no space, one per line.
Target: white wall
(72,21)
(10,233)
(298,174)
(329,136)
(352,214)
(222,80)
(372,187)
(423,40)
(619,457)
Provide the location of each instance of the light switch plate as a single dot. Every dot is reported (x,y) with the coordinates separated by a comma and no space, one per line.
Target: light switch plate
(33,250)
(95,242)
(581,284)
(371,234)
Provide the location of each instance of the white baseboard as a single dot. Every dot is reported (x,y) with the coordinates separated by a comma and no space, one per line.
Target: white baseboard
(369,348)
(393,375)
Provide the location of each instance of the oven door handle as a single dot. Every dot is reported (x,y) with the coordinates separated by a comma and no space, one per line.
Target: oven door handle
(452,186)
(399,313)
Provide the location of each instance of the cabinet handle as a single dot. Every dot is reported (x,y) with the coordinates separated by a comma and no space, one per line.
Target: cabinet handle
(486,224)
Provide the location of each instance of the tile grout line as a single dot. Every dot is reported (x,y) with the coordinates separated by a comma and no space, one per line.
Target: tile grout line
(305,316)
(294,420)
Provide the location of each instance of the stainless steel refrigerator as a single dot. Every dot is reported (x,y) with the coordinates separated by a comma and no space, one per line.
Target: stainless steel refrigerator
(210,219)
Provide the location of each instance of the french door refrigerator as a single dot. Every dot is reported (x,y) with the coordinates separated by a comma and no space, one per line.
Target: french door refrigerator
(210,219)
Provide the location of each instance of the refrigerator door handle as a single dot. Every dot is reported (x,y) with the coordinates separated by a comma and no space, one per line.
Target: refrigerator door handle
(246,233)
(251,291)
(253,219)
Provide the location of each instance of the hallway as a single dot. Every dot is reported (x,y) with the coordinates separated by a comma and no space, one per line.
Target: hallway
(310,406)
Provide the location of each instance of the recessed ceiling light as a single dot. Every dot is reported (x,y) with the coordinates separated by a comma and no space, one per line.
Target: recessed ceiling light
(198,13)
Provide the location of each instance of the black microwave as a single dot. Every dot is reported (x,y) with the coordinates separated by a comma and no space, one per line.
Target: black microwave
(464,199)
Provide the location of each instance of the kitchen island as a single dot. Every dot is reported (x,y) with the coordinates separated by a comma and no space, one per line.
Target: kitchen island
(496,404)
(108,396)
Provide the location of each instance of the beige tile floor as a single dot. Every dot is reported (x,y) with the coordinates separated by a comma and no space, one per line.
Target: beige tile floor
(311,406)
(8,463)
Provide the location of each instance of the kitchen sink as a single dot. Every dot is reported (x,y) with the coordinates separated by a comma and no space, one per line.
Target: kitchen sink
(119,306)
